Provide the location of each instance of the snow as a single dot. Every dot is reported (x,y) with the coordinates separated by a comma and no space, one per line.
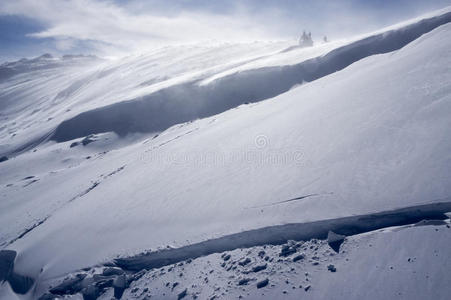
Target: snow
(401,263)
(406,262)
(371,137)
(70,89)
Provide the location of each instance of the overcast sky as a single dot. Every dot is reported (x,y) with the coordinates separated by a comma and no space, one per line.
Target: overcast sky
(117,27)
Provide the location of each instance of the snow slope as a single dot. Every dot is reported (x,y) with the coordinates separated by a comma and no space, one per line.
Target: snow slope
(55,94)
(150,93)
(371,137)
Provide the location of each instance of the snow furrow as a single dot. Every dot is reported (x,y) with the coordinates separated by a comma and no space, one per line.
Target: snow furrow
(276,235)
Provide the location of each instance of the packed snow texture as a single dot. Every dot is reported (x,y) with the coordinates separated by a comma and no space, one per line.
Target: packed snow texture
(371,137)
(370,266)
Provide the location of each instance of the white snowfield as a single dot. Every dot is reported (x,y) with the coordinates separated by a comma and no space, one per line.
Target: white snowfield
(373,136)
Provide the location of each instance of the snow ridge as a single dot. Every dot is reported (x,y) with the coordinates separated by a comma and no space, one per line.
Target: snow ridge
(185,102)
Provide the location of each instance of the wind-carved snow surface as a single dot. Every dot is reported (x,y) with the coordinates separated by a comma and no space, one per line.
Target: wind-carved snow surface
(59,90)
(371,137)
(178,103)
(185,102)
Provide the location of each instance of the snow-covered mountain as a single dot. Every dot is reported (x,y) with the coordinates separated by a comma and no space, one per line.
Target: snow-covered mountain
(189,151)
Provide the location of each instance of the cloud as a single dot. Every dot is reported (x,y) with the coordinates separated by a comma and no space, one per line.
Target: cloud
(113,28)
(117,27)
